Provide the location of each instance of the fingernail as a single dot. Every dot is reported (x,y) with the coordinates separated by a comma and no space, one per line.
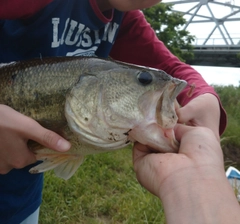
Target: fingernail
(63,145)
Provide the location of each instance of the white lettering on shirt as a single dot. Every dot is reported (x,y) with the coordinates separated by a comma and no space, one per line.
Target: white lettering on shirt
(79,35)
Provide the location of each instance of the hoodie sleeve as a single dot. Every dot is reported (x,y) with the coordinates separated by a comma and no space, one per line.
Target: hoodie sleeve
(18,9)
(137,43)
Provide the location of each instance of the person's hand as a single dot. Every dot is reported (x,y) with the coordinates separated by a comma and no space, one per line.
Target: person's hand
(204,111)
(199,148)
(125,5)
(191,184)
(15,131)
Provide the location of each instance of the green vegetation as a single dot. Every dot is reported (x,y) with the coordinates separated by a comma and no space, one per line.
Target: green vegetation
(230,98)
(168,28)
(104,190)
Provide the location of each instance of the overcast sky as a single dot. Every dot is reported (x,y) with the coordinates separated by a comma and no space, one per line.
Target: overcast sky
(219,75)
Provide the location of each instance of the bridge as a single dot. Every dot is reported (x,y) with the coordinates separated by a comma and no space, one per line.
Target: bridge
(216,27)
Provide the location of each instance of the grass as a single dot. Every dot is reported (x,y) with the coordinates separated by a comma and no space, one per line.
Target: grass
(230,98)
(103,191)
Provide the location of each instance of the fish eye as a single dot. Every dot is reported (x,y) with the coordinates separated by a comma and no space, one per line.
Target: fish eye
(145,78)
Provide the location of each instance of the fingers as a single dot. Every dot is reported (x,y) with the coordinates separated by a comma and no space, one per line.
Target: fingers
(180,130)
(139,151)
(30,129)
(192,133)
(198,142)
(15,131)
(34,131)
(17,163)
(202,111)
(49,138)
(184,114)
(14,153)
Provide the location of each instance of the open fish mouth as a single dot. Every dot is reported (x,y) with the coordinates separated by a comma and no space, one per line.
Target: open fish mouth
(166,116)
(156,130)
(165,110)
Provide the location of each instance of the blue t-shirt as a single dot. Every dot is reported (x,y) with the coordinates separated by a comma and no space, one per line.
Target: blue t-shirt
(62,28)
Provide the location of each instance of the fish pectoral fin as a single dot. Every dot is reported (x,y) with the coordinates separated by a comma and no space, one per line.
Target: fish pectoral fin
(64,165)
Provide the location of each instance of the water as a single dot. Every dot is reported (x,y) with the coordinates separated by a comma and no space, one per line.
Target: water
(219,75)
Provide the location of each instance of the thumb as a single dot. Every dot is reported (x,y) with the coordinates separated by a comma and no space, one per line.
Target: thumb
(139,151)
(48,138)
(180,130)
(184,114)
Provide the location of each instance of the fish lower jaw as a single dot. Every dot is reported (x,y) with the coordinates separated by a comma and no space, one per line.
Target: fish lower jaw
(158,139)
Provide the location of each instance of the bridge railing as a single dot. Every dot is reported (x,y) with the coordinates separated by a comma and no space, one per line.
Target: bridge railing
(217,43)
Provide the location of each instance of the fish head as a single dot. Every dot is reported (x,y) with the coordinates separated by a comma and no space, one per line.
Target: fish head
(114,103)
(158,107)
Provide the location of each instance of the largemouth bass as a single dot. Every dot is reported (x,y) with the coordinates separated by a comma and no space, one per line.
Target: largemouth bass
(98,105)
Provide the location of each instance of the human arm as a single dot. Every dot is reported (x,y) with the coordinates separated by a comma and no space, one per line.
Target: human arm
(191,184)
(15,131)
(137,43)
(10,9)
(125,5)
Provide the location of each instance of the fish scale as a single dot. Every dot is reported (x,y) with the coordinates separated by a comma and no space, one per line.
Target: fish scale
(99,105)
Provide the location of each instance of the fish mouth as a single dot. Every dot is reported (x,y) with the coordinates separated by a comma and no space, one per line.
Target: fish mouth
(169,134)
(166,116)
(157,128)
(165,109)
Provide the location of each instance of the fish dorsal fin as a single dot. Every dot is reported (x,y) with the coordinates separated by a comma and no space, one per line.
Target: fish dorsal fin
(64,165)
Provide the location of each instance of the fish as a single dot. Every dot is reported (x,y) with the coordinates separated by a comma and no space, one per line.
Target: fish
(97,104)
